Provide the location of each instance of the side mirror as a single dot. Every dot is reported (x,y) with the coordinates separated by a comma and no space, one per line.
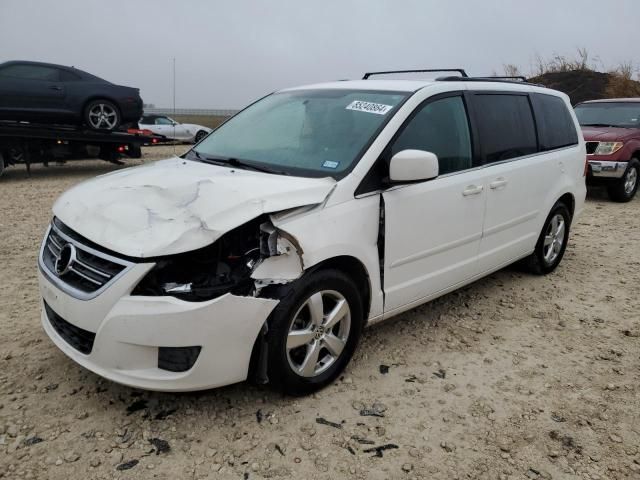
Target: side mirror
(412,166)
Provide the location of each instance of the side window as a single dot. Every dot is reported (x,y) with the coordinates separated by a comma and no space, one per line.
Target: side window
(67,76)
(440,127)
(31,72)
(505,126)
(163,121)
(555,125)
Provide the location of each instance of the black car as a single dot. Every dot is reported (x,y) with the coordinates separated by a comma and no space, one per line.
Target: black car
(44,92)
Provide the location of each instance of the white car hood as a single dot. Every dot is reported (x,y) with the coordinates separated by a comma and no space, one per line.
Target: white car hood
(177,205)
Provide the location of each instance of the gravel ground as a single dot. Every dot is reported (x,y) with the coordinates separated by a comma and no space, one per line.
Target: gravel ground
(513,377)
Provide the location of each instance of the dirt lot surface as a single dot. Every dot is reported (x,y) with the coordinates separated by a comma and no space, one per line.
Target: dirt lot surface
(513,377)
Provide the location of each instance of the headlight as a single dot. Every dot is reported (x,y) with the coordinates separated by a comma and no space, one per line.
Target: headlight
(608,148)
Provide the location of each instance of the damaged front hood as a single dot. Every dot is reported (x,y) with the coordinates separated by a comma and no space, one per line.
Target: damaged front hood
(177,205)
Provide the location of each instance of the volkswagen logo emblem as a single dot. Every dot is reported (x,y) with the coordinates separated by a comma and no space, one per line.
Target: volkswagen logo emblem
(65,259)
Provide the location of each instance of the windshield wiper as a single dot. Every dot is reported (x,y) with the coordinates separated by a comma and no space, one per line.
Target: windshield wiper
(598,125)
(236,162)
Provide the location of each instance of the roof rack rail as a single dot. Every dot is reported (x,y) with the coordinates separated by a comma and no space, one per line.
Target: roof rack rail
(522,78)
(503,79)
(429,70)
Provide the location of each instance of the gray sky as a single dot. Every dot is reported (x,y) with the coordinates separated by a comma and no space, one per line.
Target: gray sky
(229,53)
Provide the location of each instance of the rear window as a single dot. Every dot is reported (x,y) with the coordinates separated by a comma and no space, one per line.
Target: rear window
(505,126)
(555,125)
(67,76)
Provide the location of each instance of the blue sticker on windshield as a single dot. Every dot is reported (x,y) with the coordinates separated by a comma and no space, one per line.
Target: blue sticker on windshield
(330,164)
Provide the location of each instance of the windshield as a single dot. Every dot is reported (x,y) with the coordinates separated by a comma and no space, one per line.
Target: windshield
(313,133)
(609,114)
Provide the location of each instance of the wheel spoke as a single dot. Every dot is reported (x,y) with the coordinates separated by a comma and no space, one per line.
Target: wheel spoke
(339,311)
(334,344)
(316,309)
(297,338)
(308,366)
(560,232)
(548,240)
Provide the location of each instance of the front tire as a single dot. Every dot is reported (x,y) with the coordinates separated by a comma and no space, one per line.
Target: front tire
(313,331)
(1,164)
(625,189)
(552,242)
(200,135)
(102,114)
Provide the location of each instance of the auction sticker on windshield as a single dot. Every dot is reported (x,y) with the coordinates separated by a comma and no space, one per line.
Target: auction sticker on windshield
(377,108)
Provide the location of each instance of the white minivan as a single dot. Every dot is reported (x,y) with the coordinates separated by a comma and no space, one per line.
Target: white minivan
(263,251)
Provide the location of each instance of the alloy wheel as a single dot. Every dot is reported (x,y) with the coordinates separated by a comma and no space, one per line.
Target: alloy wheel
(554,239)
(630,180)
(318,333)
(103,116)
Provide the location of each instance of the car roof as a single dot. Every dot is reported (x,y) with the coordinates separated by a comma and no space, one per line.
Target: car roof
(411,86)
(75,70)
(613,100)
(380,85)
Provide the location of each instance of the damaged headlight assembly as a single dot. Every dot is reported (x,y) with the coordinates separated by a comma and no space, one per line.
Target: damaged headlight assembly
(210,272)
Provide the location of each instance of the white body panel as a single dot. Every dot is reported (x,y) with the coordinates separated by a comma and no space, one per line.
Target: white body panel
(176,205)
(130,330)
(432,235)
(438,235)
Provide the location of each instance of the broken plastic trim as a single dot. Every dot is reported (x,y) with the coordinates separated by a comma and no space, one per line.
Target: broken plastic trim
(227,265)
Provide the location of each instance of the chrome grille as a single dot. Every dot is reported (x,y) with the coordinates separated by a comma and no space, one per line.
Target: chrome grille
(86,272)
(591,147)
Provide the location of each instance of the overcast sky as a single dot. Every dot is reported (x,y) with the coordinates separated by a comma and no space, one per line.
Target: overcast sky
(229,53)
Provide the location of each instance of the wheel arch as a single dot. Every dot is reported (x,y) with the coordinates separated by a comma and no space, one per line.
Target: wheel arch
(569,200)
(350,266)
(354,269)
(100,97)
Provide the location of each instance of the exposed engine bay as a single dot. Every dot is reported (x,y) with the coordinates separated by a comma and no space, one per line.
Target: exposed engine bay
(222,267)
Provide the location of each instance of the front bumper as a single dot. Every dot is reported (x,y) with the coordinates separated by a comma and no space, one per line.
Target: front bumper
(607,169)
(129,331)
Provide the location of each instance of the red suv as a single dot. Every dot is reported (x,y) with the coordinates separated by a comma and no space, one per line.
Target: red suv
(611,129)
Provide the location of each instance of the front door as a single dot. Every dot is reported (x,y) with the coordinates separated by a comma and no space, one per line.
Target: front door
(433,228)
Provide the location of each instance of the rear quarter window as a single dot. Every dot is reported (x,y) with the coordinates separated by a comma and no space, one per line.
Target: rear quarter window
(505,126)
(555,124)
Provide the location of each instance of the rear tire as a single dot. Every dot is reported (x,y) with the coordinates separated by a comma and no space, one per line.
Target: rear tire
(552,242)
(308,346)
(135,151)
(102,114)
(625,189)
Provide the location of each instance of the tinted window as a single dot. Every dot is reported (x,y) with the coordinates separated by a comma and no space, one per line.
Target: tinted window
(440,127)
(163,121)
(32,72)
(555,125)
(67,76)
(505,125)
(609,114)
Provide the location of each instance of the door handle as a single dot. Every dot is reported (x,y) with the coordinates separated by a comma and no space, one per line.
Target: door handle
(498,183)
(54,87)
(472,190)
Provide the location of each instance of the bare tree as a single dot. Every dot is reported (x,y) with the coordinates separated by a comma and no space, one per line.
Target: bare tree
(511,70)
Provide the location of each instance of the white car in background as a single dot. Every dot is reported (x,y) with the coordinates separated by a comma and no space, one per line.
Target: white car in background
(169,128)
